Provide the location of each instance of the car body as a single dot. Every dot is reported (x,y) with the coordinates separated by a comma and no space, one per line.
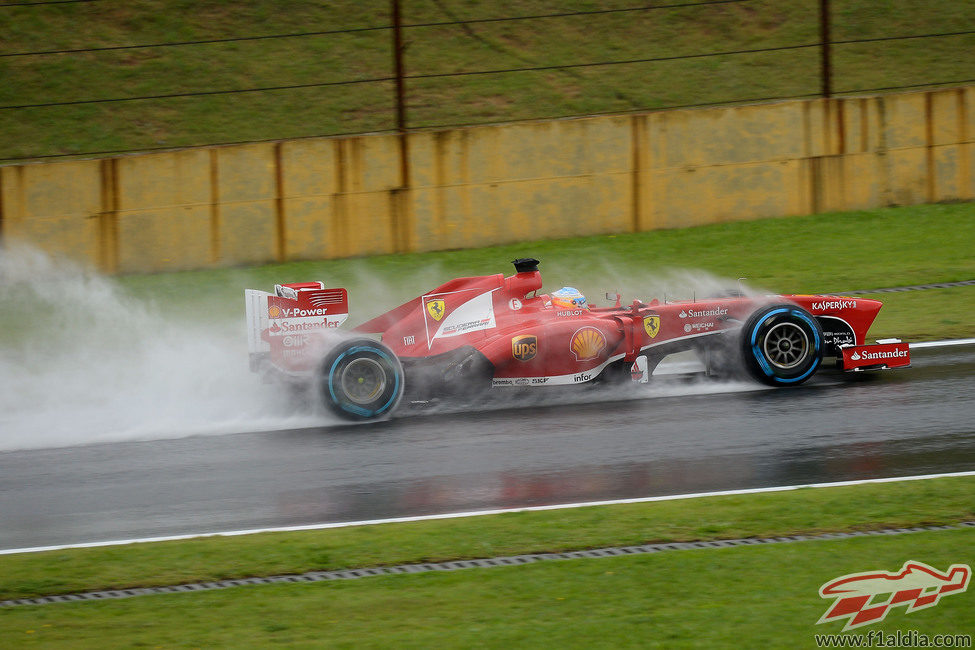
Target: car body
(474,335)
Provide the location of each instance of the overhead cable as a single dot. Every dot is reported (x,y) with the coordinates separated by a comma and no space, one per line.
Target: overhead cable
(46,2)
(354,30)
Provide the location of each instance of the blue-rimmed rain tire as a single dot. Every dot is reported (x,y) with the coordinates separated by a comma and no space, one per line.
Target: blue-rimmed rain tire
(361,379)
(782,345)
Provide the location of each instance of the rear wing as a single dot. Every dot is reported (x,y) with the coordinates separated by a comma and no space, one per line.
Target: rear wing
(281,325)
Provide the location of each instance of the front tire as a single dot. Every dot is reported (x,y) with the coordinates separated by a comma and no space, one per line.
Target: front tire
(361,379)
(782,345)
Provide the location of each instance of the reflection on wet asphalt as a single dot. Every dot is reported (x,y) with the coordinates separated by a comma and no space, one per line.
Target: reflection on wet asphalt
(675,437)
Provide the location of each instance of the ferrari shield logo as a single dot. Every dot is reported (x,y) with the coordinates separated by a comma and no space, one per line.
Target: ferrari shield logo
(652,325)
(436,309)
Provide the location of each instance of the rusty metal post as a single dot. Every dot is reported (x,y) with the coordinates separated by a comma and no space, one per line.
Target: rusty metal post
(824,46)
(398,68)
(400,197)
(108,217)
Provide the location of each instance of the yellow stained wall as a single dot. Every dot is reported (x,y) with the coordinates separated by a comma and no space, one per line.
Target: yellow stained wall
(540,180)
(56,206)
(163,211)
(458,188)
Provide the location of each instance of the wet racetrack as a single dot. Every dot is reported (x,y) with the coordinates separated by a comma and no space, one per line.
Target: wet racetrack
(677,437)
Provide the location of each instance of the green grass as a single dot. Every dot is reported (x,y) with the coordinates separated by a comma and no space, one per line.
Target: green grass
(862,507)
(722,598)
(935,314)
(363,107)
(764,596)
(822,253)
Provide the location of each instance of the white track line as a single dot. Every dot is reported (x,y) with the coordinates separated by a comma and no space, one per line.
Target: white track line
(941,344)
(479,513)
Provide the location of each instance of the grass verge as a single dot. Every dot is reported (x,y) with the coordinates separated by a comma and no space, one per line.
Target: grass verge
(815,254)
(864,507)
(764,596)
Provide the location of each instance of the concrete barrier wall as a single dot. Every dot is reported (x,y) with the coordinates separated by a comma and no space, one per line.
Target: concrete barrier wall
(344,197)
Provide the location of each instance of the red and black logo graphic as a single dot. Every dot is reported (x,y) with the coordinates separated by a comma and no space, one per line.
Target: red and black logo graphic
(865,598)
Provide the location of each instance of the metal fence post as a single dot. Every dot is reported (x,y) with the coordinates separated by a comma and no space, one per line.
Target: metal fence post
(824,46)
(402,240)
(398,68)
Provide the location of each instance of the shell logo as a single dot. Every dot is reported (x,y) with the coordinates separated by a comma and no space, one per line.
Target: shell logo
(274,311)
(587,343)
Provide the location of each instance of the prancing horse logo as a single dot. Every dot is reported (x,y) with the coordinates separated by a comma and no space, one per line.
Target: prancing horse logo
(652,325)
(436,309)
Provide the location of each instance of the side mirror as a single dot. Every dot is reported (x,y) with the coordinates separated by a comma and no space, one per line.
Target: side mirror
(615,297)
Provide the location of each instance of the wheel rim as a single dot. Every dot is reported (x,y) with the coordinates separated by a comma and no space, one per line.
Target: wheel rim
(786,345)
(363,380)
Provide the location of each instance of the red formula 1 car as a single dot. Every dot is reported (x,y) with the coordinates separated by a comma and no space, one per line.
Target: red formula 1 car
(474,335)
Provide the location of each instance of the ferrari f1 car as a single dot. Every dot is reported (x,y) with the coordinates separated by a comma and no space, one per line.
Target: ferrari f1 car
(475,335)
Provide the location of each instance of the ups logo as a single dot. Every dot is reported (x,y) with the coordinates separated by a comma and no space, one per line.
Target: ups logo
(524,347)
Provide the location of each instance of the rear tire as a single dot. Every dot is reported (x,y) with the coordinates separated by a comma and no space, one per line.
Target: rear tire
(361,379)
(782,345)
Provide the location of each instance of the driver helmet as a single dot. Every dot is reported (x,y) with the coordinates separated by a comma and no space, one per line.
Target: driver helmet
(569,298)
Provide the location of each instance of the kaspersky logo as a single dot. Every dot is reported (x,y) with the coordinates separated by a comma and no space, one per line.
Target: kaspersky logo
(865,598)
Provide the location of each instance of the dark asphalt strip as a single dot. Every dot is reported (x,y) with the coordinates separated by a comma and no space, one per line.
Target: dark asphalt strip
(454,565)
(916,287)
